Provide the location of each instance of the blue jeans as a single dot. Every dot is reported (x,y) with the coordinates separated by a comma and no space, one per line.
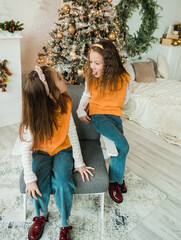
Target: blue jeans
(54,173)
(111,127)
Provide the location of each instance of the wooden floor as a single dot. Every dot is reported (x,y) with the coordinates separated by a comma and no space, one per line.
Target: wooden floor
(157,162)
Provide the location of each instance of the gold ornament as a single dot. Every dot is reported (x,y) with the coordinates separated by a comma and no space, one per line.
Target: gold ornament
(94,1)
(175,43)
(109,1)
(112,36)
(179,41)
(71,30)
(60,15)
(39,61)
(73,54)
(59,35)
(80,72)
(66,8)
(96,32)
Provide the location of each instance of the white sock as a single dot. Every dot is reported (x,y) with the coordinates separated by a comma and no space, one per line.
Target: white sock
(44,214)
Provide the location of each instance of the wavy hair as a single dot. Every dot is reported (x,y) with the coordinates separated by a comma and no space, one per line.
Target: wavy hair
(39,111)
(113,67)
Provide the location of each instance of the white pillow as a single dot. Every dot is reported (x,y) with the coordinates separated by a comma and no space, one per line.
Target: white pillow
(162,66)
(129,68)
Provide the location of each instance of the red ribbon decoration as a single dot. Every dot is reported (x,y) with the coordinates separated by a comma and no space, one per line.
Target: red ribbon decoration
(2,79)
(3,67)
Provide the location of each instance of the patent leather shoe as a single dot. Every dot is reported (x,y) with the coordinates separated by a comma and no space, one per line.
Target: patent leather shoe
(123,187)
(64,233)
(115,192)
(37,228)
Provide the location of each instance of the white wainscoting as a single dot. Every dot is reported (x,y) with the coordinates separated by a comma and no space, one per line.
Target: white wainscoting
(10,101)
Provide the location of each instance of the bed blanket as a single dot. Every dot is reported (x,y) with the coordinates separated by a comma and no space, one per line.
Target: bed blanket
(157,106)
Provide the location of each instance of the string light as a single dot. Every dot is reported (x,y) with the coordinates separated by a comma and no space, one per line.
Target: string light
(90,26)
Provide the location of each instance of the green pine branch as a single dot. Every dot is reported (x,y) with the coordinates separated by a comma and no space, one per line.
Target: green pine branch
(11,26)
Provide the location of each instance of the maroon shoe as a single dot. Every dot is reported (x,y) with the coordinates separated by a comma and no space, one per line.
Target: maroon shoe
(37,228)
(115,192)
(64,233)
(123,187)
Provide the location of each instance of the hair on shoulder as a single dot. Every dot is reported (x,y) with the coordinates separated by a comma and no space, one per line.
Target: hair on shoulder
(39,111)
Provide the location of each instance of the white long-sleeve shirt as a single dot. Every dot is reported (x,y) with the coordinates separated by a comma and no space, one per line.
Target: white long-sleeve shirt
(84,101)
(29,175)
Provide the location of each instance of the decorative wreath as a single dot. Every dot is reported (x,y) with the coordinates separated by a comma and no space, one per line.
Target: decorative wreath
(140,41)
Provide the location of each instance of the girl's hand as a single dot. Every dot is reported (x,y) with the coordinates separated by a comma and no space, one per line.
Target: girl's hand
(84,171)
(86,119)
(32,189)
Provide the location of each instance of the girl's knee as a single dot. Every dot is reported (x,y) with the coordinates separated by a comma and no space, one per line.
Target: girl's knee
(64,187)
(62,180)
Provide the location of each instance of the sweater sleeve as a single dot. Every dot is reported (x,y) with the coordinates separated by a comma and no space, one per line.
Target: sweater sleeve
(29,175)
(83,102)
(72,133)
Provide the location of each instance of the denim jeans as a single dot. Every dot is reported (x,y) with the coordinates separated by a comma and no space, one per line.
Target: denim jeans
(54,173)
(111,127)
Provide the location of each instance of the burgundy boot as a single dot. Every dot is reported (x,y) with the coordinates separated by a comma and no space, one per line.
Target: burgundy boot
(123,187)
(64,233)
(115,192)
(37,228)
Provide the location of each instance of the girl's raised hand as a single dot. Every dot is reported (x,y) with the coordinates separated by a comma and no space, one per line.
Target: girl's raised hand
(86,119)
(32,189)
(84,171)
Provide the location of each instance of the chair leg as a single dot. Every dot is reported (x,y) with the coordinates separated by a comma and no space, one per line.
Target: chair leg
(25,205)
(102,206)
(102,216)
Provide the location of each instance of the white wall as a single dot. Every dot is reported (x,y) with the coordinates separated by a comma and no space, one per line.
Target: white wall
(39,16)
(170,14)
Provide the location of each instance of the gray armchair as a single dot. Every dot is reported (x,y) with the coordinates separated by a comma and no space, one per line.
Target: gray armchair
(92,155)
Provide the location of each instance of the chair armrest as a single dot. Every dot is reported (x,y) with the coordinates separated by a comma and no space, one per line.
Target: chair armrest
(110,147)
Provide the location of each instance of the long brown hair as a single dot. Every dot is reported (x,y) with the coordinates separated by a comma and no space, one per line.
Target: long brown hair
(113,67)
(39,111)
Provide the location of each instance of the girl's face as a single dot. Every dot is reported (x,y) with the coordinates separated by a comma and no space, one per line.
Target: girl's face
(60,82)
(96,63)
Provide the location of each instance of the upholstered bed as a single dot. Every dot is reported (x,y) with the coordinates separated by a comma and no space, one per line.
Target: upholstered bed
(156,106)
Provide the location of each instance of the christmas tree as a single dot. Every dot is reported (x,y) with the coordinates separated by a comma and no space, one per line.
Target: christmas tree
(80,23)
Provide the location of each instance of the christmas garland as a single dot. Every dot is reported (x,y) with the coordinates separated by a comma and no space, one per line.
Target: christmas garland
(3,75)
(140,41)
(11,26)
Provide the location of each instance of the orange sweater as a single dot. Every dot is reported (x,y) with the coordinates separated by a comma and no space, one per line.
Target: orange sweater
(111,102)
(60,139)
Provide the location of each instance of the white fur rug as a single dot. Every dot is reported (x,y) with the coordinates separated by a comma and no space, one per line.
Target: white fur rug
(140,200)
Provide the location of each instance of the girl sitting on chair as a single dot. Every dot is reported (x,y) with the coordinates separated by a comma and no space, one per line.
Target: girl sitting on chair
(106,91)
(48,136)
